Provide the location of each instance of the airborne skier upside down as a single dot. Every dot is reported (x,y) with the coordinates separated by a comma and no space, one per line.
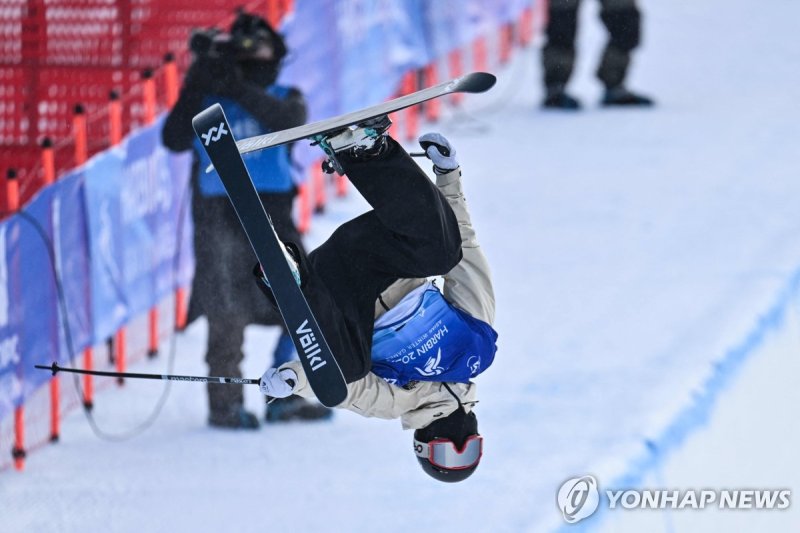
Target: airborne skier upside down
(401,347)
(406,349)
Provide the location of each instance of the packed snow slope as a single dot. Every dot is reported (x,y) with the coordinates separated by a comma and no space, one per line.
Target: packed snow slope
(631,249)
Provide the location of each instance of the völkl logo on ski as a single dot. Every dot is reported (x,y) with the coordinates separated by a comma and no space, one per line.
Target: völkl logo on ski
(310,346)
(210,137)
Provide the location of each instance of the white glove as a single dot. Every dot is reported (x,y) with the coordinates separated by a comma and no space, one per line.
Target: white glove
(438,150)
(278,383)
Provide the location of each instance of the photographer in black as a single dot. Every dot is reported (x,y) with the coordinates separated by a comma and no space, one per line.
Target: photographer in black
(238,69)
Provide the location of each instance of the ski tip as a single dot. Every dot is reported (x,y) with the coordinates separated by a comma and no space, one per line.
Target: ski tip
(477,82)
(211,113)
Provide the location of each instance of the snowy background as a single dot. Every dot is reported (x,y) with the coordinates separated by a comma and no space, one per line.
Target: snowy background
(645,264)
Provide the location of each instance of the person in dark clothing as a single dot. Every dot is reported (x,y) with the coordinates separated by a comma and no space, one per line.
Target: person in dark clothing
(238,69)
(622,19)
(406,348)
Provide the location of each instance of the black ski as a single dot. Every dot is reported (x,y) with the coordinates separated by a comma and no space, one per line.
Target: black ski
(321,368)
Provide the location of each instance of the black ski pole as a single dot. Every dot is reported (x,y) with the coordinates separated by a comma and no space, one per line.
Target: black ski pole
(54,368)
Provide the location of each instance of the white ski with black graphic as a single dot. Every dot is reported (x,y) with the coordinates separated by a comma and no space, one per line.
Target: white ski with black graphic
(475,82)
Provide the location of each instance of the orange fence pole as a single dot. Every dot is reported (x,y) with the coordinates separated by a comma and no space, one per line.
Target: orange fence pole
(114,118)
(79,131)
(431,106)
(181,310)
(119,352)
(171,83)
(48,161)
(304,209)
(49,170)
(149,96)
(149,101)
(55,409)
(114,138)
(18,452)
(152,327)
(88,384)
(12,191)
(411,113)
(81,154)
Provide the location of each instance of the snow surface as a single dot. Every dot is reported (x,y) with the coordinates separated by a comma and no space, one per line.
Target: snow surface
(752,415)
(631,249)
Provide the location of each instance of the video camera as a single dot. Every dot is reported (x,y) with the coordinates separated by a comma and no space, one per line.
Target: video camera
(213,42)
(247,33)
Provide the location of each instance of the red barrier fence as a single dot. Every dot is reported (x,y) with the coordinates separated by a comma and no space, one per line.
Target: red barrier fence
(55,54)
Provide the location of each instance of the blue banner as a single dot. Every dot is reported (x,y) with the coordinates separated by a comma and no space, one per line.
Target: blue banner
(28,315)
(101,245)
(71,256)
(108,304)
(137,198)
(11,317)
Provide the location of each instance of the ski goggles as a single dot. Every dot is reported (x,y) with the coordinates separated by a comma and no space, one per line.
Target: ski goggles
(444,454)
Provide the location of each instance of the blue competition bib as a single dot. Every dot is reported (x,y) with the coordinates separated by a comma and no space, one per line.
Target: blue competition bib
(431,341)
(270,169)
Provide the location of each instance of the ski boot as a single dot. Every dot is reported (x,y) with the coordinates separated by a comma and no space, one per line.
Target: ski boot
(237,417)
(363,140)
(295,408)
(622,97)
(557,98)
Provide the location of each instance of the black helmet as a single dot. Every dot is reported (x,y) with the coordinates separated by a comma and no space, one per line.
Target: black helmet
(450,448)
(251,31)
